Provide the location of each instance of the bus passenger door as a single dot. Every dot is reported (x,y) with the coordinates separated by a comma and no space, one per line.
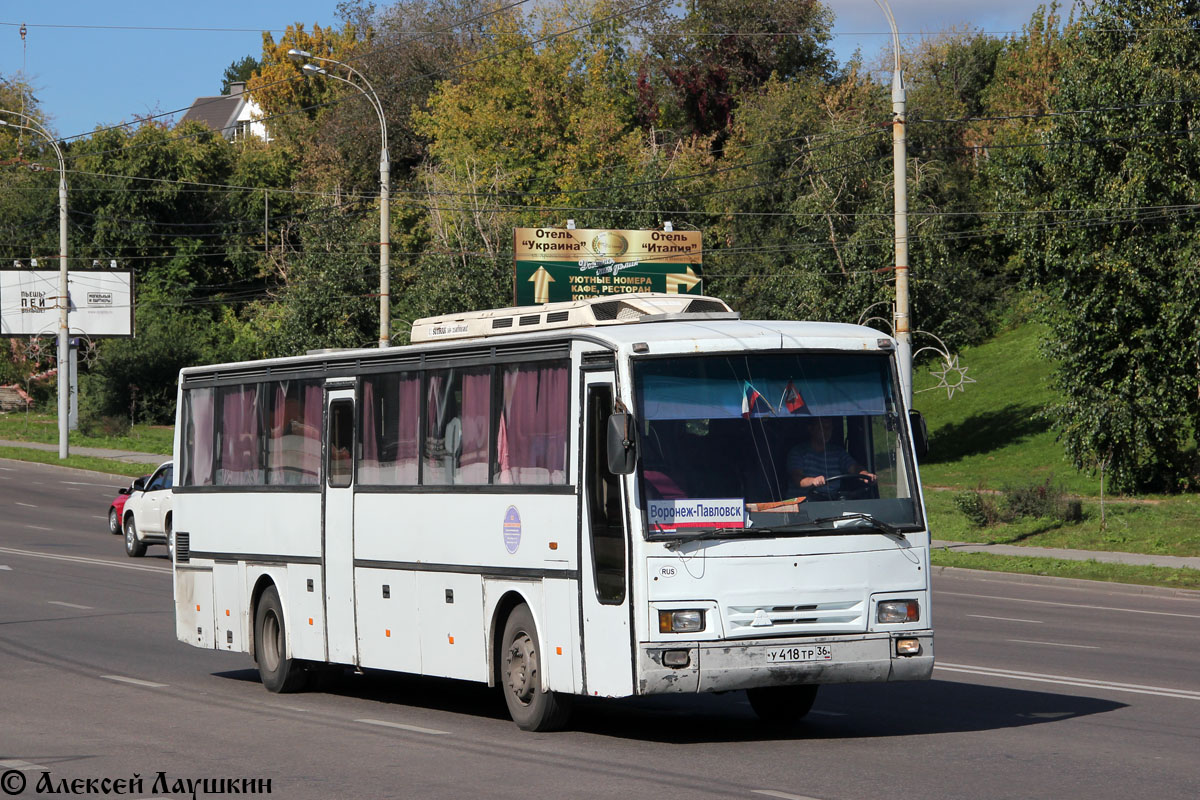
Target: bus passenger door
(337,544)
(604,555)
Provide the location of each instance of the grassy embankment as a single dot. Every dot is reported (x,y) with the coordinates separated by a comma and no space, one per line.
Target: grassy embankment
(993,436)
(43,429)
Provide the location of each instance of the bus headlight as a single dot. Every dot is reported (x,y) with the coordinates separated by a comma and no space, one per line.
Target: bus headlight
(890,611)
(689,620)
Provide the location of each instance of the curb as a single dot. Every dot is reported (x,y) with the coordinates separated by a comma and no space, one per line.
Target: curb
(122,480)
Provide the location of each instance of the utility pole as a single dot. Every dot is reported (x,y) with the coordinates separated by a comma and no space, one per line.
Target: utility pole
(64,300)
(385,245)
(901,320)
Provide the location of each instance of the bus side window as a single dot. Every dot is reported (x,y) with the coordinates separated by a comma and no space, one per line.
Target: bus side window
(340,451)
(605,510)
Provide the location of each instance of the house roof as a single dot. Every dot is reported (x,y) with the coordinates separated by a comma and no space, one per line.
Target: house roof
(219,113)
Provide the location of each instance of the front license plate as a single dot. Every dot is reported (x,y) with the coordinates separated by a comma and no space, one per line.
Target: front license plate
(796,653)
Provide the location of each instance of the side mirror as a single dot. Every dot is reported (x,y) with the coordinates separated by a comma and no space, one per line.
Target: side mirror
(125,490)
(138,485)
(622,444)
(920,432)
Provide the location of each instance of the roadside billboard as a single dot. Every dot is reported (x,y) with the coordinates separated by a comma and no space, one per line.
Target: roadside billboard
(554,264)
(101,302)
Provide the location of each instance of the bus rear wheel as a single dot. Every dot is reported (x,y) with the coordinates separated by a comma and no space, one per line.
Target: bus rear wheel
(278,672)
(782,705)
(521,677)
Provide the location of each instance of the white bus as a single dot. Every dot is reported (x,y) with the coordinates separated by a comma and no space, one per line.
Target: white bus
(626,495)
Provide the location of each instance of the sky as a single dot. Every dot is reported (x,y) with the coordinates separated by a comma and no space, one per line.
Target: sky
(90,65)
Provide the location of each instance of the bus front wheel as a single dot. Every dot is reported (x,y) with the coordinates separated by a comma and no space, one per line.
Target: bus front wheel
(278,672)
(521,677)
(782,705)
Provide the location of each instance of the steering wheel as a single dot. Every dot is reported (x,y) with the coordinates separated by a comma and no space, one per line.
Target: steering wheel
(849,486)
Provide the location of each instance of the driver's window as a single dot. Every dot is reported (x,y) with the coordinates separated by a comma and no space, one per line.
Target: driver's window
(156,482)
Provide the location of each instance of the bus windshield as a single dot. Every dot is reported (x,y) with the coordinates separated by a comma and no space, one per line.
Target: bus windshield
(790,443)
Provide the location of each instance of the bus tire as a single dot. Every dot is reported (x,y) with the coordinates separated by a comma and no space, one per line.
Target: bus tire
(782,705)
(134,547)
(279,673)
(521,677)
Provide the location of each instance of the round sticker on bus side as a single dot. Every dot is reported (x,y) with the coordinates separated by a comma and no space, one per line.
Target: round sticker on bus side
(512,529)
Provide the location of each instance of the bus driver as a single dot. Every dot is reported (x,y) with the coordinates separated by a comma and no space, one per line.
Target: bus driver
(811,463)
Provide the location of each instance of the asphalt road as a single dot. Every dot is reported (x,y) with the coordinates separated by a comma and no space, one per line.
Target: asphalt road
(1043,689)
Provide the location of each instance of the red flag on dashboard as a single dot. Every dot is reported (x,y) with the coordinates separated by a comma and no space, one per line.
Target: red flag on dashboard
(792,400)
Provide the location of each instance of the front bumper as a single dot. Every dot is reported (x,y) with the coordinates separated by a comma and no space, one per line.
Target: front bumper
(728,665)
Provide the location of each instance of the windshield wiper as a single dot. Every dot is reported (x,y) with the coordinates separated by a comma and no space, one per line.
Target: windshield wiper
(861,516)
(819,525)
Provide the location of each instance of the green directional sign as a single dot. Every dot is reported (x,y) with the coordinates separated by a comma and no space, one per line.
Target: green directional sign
(554,264)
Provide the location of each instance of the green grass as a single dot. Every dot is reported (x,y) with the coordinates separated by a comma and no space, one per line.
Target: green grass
(79,462)
(1089,570)
(994,436)
(1157,526)
(991,434)
(43,428)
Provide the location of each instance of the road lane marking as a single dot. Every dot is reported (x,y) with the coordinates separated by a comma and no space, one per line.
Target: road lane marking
(134,681)
(23,766)
(1006,619)
(413,728)
(1066,680)
(827,713)
(83,560)
(84,483)
(39,528)
(781,795)
(5,567)
(1055,644)
(1070,605)
(69,605)
(27,505)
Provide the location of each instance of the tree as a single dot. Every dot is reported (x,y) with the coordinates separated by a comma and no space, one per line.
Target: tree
(240,71)
(1116,254)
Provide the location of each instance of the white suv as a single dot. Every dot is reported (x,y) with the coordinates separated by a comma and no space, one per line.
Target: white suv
(147,515)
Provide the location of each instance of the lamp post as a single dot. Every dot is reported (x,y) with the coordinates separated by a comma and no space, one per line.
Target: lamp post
(901,322)
(64,302)
(300,56)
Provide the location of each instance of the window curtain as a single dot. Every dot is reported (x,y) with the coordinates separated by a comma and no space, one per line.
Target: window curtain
(532,436)
(476,422)
(240,462)
(200,438)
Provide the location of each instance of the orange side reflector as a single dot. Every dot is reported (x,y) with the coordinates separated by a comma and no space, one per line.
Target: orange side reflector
(197,606)
(227,612)
(554,545)
(451,638)
(310,620)
(387,632)
(558,651)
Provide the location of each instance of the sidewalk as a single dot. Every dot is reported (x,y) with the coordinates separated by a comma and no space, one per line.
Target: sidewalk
(1137,559)
(95,452)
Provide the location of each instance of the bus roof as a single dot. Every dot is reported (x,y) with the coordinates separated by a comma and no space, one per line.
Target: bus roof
(655,327)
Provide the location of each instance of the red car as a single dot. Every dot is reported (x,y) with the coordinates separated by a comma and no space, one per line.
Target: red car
(117,507)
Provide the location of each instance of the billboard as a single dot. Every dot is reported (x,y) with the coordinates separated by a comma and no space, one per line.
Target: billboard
(101,302)
(554,264)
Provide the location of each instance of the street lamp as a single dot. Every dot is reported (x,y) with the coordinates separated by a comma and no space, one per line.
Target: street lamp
(300,56)
(64,302)
(901,323)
